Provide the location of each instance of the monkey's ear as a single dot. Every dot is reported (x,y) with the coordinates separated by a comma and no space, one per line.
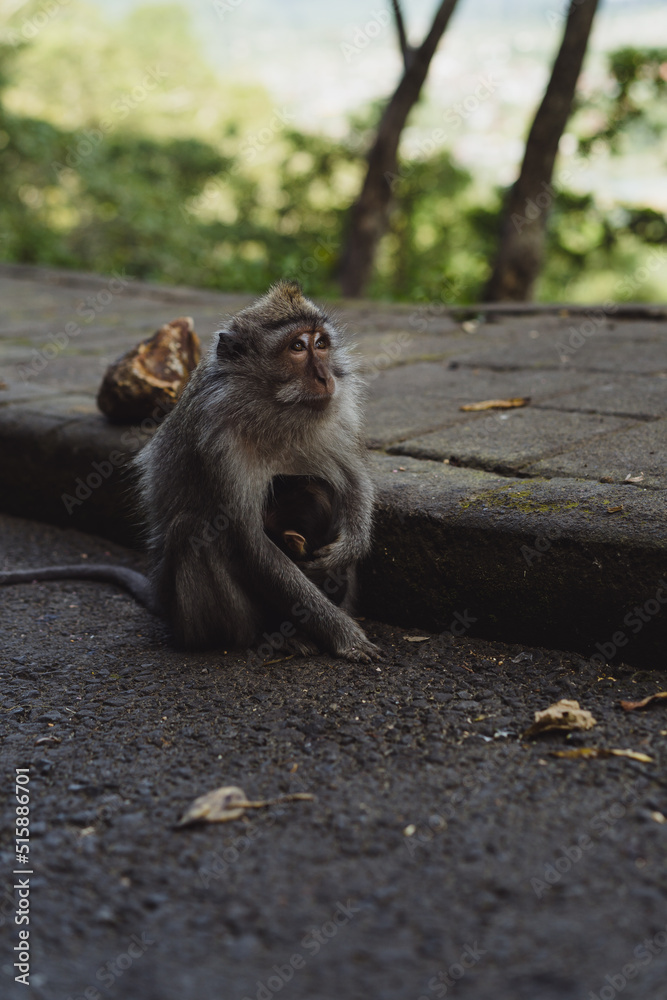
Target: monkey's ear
(230,345)
(296,542)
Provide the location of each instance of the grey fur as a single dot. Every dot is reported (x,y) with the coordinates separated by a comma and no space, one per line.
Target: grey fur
(205,482)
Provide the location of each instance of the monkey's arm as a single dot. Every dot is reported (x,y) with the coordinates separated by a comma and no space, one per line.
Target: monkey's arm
(355,523)
(274,578)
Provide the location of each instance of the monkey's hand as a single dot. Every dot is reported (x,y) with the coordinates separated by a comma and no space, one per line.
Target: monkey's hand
(329,558)
(357,647)
(362,652)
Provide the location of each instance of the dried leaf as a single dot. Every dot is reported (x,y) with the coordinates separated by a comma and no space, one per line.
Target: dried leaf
(565,714)
(498,404)
(592,752)
(416,638)
(634,479)
(630,706)
(614,510)
(228,803)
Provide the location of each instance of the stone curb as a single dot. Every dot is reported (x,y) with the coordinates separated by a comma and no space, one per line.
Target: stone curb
(565,563)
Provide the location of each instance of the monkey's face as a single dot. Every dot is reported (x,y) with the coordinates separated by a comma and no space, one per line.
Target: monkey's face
(305,360)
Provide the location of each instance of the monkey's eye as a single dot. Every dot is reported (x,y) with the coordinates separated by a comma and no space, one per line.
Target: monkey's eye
(322,343)
(297,346)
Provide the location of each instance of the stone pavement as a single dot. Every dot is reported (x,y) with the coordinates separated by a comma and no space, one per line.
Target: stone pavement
(542,524)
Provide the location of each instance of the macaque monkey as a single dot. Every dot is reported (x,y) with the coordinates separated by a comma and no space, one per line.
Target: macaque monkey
(236,541)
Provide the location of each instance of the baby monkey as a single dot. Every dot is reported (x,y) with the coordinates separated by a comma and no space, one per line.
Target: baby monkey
(302,520)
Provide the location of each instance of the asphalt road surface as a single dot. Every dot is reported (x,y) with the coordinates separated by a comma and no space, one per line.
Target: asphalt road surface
(442,855)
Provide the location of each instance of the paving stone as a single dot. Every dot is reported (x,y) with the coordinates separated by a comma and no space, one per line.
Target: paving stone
(414,399)
(507,441)
(603,351)
(619,394)
(638,449)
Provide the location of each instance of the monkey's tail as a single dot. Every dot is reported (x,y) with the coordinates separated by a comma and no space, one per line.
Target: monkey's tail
(135,583)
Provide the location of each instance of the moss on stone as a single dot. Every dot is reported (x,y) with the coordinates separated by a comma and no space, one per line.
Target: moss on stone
(518,500)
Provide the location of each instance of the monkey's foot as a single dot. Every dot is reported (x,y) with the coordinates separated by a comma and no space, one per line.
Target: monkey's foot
(300,646)
(361,652)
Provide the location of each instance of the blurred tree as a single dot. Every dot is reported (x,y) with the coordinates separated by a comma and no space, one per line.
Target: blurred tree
(368,215)
(440,235)
(520,251)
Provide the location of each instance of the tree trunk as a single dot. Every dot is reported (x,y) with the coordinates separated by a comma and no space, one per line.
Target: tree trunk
(521,247)
(368,216)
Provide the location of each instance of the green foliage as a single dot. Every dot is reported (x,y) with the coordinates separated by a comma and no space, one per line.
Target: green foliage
(440,237)
(633,106)
(181,179)
(596,252)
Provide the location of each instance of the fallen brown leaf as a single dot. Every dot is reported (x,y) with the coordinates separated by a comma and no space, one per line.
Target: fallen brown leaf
(497,404)
(228,803)
(634,479)
(416,638)
(614,510)
(630,706)
(565,714)
(592,752)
